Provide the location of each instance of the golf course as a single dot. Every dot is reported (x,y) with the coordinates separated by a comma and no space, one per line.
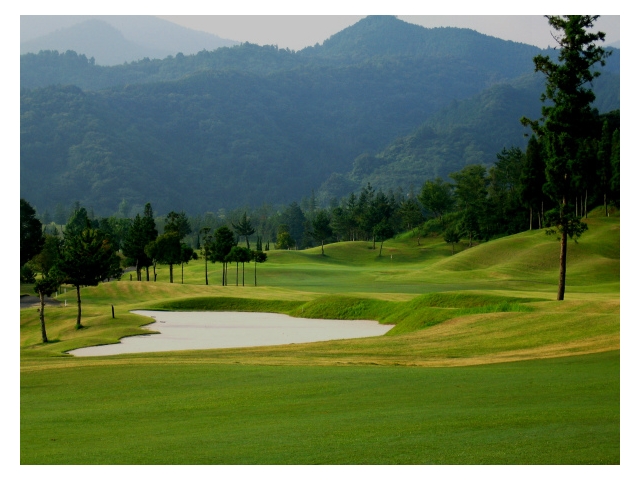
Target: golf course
(482,366)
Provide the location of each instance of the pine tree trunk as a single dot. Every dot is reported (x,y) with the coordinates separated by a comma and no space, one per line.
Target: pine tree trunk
(147,268)
(206,275)
(586,208)
(171,273)
(79,318)
(581,211)
(563,255)
(255,274)
(182,266)
(42,328)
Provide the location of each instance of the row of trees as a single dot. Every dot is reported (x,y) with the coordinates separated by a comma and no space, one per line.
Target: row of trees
(92,251)
(84,256)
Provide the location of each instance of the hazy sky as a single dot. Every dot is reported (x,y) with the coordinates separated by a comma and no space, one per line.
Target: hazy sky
(299,31)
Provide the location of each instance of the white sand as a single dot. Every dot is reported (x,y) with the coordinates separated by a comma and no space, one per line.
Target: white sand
(204,330)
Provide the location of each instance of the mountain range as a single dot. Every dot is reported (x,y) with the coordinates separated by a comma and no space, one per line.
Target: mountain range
(382,102)
(113,39)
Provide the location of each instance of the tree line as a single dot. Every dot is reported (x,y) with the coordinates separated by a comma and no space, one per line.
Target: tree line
(90,251)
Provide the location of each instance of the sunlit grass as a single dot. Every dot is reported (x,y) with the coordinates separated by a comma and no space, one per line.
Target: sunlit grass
(347,401)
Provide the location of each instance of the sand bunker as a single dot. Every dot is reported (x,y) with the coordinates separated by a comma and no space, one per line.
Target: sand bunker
(204,330)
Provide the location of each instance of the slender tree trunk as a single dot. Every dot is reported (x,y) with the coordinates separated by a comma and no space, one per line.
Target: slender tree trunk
(243,274)
(155,275)
(223,274)
(530,218)
(42,327)
(206,275)
(171,273)
(79,318)
(586,208)
(147,268)
(380,254)
(182,266)
(236,274)
(563,255)
(606,210)
(322,243)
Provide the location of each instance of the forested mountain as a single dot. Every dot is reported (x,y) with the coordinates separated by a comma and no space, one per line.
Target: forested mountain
(113,39)
(467,132)
(247,125)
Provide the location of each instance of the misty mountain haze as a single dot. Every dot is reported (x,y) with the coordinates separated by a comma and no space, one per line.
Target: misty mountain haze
(113,39)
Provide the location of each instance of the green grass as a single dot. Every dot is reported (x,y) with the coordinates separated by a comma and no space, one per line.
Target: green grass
(535,380)
(536,412)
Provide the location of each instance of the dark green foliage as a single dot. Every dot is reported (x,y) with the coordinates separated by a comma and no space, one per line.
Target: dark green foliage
(322,228)
(244,228)
(451,236)
(257,257)
(383,231)
(31,237)
(615,166)
(224,241)
(436,197)
(27,273)
(295,220)
(207,250)
(410,213)
(239,255)
(87,258)
(167,250)
(532,180)
(141,233)
(46,286)
(186,254)
(504,209)
(177,224)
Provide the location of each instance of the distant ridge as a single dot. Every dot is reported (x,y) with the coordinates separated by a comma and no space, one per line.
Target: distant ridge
(113,40)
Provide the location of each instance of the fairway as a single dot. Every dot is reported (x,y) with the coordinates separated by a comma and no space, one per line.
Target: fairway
(482,365)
